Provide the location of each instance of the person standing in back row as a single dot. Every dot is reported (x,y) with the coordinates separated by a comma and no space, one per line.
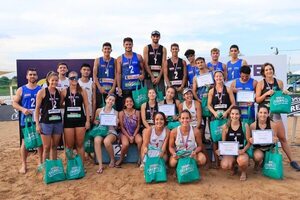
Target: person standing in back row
(155,56)
(235,63)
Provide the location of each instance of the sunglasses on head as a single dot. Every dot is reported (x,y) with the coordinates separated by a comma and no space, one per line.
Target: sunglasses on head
(73,78)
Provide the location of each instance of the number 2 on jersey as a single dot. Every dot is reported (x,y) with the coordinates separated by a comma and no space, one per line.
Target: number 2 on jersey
(131,69)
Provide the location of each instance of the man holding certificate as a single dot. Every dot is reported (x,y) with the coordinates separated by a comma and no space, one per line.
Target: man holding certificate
(244,88)
(232,146)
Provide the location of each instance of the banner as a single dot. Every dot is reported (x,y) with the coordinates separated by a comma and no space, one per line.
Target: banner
(295,108)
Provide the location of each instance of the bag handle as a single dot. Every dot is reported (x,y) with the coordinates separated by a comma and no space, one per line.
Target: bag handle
(136,86)
(28,119)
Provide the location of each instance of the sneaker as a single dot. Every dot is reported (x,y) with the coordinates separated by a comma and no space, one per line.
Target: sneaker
(295,165)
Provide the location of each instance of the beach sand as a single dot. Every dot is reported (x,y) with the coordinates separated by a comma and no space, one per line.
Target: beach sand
(128,182)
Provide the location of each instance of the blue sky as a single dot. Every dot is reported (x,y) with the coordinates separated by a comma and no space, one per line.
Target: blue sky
(35,29)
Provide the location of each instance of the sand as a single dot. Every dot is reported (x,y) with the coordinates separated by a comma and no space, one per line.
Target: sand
(128,182)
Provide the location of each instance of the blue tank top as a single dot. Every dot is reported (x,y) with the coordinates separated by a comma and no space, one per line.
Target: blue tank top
(28,100)
(243,106)
(192,71)
(233,70)
(106,73)
(130,72)
(216,67)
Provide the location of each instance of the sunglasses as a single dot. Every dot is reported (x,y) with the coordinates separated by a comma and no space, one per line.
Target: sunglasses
(73,78)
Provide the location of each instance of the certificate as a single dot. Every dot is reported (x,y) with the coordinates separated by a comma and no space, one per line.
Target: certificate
(228,148)
(167,109)
(262,136)
(205,79)
(245,96)
(108,119)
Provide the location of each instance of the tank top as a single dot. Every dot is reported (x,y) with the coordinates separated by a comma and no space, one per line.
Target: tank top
(155,60)
(106,73)
(111,129)
(243,106)
(187,142)
(236,135)
(28,100)
(63,84)
(202,91)
(50,106)
(175,72)
(191,71)
(266,146)
(192,110)
(215,67)
(233,69)
(267,87)
(130,122)
(221,101)
(157,140)
(130,72)
(73,107)
(89,90)
(150,112)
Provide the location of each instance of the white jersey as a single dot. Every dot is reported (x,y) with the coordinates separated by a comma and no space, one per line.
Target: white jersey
(60,85)
(157,140)
(89,90)
(192,110)
(187,142)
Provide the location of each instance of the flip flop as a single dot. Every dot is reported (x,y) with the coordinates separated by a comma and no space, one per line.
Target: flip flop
(100,171)
(295,165)
(243,177)
(118,164)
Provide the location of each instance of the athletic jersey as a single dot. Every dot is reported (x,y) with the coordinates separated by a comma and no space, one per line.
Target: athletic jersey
(157,140)
(89,90)
(111,129)
(155,57)
(175,72)
(236,135)
(50,106)
(73,108)
(106,73)
(130,72)
(191,71)
(267,87)
(243,106)
(28,100)
(221,101)
(130,122)
(60,85)
(268,127)
(150,112)
(187,142)
(215,67)
(192,110)
(233,69)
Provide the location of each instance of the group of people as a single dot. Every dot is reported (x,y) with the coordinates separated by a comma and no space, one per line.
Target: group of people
(71,105)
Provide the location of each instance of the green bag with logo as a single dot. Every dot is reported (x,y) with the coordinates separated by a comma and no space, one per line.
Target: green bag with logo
(280,102)
(205,110)
(88,142)
(159,95)
(273,166)
(139,96)
(31,138)
(187,170)
(54,171)
(99,130)
(216,129)
(75,169)
(173,124)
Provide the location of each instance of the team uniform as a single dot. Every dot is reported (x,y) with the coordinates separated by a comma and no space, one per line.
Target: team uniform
(51,119)
(111,129)
(215,67)
(175,72)
(233,69)
(220,101)
(150,113)
(236,135)
(28,101)
(263,147)
(89,90)
(74,115)
(60,85)
(191,72)
(187,142)
(157,140)
(192,110)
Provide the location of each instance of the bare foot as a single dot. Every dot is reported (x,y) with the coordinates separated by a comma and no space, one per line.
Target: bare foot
(234,171)
(111,164)
(118,163)
(243,176)
(22,170)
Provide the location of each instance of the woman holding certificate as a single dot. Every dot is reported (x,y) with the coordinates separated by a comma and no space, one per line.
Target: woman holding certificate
(148,109)
(186,138)
(108,120)
(76,122)
(232,146)
(264,90)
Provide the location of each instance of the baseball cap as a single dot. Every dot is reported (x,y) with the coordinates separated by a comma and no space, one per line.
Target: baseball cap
(186,90)
(155,33)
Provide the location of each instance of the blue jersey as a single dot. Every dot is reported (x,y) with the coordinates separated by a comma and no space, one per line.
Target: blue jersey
(106,73)
(192,71)
(28,100)
(243,106)
(216,67)
(130,72)
(233,70)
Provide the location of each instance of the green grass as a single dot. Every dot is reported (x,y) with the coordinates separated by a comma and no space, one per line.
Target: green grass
(4,91)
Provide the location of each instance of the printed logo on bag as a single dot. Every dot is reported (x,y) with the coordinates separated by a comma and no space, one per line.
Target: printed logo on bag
(55,171)
(75,170)
(154,168)
(270,165)
(280,101)
(185,169)
(141,98)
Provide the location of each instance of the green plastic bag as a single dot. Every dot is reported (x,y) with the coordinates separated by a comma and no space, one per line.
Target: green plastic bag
(280,102)
(140,96)
(88,142)
(187,170)
(273,166)
(173,124)
(99,130)
(31,138)
(250,150)
(159,95)
(75,169)
(216,129)
(249,120)
(205,110)
(155,169)
(54,171)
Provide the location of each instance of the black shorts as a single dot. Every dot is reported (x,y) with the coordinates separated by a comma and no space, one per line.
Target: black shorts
(72,124)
